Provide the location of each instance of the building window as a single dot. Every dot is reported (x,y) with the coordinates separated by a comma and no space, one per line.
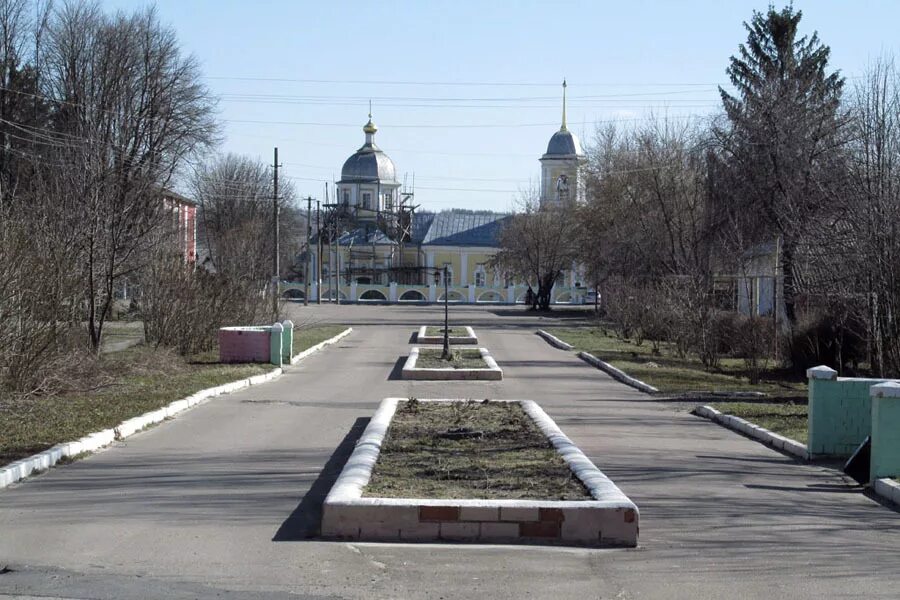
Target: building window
(480,276)
(437,277)
(389,201)
(346,197)
(367,200)
(448,273)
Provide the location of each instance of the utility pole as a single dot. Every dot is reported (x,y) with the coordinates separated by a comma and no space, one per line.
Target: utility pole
(319,247)
(307,274)
(276,271)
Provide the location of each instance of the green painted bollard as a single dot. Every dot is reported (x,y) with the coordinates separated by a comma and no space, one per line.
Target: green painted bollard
(287,341)
(275,341)
(885,425)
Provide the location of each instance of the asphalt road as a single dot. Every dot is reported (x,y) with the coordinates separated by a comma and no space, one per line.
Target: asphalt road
(224,502)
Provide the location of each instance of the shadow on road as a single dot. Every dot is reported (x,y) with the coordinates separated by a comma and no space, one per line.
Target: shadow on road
(396,373)
(306,520)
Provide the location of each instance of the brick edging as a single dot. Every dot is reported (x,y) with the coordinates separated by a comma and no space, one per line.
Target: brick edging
(554,341)
(617,374)
(611,519)
(92,442)
(320,345)
(754,431)
(888,489)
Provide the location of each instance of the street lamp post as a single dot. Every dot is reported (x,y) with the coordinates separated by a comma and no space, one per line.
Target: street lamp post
(446,353)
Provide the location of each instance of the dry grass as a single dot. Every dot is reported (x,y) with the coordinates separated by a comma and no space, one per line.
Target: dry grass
(430,358)
(471,449)
(672,374)
(96,394)
(439,331)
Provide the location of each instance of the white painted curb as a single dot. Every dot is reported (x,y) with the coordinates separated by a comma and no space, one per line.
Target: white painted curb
(554,341)
(469,338)
(887,489)
(760,434)
(320,345)
(94,441)
(617,374)
(491,373)
(44,460)
(610,519)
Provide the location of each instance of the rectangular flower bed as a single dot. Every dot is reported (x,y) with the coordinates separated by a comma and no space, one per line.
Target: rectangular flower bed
(468,364)
(429,334)
(489,472)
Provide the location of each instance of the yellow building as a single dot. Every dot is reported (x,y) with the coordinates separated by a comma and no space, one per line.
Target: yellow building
(374,248)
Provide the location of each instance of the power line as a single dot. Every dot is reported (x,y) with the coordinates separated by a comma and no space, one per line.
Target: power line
(456,83)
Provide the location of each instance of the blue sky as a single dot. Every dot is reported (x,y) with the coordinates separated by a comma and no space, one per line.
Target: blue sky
(466,94)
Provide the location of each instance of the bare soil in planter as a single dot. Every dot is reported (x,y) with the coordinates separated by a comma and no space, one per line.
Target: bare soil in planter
(439,331)
(430,358)
(470,449)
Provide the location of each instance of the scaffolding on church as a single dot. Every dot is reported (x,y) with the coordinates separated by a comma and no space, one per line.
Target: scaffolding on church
(363,262)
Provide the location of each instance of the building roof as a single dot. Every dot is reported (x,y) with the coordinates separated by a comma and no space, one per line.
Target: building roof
(564,143)
(459,227)
(369,164)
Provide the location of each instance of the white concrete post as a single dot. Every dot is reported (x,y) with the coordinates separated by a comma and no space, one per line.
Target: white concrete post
(393,292)
(432,293)
(511,294)
(471,294)
(353,295)
(313,291)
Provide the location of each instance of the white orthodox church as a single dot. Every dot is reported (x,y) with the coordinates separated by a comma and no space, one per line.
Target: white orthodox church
(370,263)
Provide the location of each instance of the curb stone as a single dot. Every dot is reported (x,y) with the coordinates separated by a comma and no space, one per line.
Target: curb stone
(754,431)
(609,519)
(554,341)
(888,489)
(617,374)
(92,442)
(320,345)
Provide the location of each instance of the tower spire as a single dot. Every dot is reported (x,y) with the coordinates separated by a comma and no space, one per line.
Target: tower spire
(564,128)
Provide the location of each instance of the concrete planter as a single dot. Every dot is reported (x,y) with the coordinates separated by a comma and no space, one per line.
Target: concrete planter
(490,373)
(421,338)
(610,519)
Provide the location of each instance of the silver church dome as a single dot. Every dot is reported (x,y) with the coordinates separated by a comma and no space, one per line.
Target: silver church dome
(564,143)
(369,163)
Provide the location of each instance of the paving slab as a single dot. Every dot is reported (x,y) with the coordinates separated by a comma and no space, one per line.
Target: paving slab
(225,501)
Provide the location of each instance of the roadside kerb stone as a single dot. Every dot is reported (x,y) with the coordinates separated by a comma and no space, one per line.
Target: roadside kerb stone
(888,489)
(617,374)
(92,442)
(320,345)
(754,431)
(20,469)
(490,373)
(554,341)
(610,519)
(469,338)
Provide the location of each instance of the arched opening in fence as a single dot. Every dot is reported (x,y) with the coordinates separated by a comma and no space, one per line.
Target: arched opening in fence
(453,296)
(373,295)
(412,296)
(564,298)
(329,295)
(293,294)
(490,296)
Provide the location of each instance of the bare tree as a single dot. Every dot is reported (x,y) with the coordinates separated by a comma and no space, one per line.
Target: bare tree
(129,109)
(538,245)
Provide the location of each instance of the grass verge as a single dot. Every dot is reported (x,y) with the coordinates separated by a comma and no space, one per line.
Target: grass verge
(469,450)
(671,374)
(786,418)
(120,386)
(439,331)
(430,358)
(307,337)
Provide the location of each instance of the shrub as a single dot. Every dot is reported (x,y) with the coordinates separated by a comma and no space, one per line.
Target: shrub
(827,339)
